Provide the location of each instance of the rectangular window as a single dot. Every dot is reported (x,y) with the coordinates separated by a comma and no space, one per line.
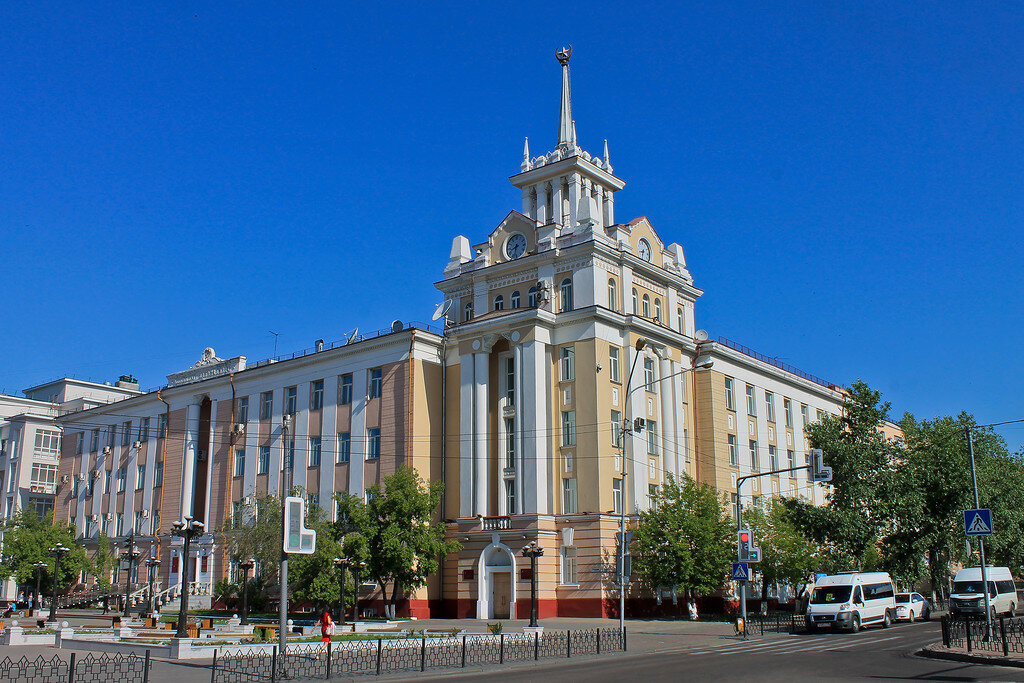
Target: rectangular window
(312,500)
(569,565)
(568,427)
(137,524)
(652,437)
(769,401)
(805,415)
(94,442)
(161,426)
(140,476)
(316,395)
(649,375)
(243,410)
(44,477)
(730,393)
(155,524)
(510,442)
(158,474)
(119,528)
(613,364)
(375,383)
(373,436)
(617,496)
(263,463)
(617,428)
(79,443)
(289,458)
(791,457)
(122,476)
(112,436)
(344,446)
(734,456)
(652,495)
(314,451)
(239,462)
(291,400)
(47,443)
(144,429)
(346,389)
(266,405)
(773,458)
(106,481)
(569,496)
(751,402)
(510,381)
(237,513)
(821,414)
(126,433)
(787,408)
(510,496)
(568,354)
(734,503)
(754,464)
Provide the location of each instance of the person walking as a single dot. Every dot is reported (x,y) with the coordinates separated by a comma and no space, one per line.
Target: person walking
(326,627)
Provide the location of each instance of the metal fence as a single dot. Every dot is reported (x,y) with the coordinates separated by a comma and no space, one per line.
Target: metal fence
(972,634)
(775,622)
(390,655)
(129,668)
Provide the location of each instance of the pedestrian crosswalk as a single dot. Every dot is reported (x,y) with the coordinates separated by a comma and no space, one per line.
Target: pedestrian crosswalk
(795,644)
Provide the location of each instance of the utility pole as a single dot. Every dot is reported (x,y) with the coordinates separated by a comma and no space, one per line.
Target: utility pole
(981,539)
(286,469)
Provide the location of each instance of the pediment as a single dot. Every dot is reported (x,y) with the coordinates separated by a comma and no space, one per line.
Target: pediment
(514,223)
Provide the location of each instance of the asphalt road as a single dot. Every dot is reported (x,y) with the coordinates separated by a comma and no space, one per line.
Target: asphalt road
(871,654)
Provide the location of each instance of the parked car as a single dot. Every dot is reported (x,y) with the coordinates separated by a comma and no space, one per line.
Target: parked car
(912,606)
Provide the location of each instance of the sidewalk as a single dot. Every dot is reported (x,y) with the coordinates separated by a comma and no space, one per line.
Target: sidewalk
(976,656)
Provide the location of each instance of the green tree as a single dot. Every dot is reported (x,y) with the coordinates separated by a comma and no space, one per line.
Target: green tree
(396,532)
(257,536)
(685,540)
(787,555)
(27,539)
(104,560)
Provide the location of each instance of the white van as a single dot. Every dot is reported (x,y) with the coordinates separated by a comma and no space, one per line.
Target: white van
(851,600)
(967,598)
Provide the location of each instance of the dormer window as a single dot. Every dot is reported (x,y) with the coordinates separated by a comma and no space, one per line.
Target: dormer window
(499,302)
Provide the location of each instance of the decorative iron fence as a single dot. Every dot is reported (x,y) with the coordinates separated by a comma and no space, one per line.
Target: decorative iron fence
(775,622)
(972,634)
(129,668)
(390,655)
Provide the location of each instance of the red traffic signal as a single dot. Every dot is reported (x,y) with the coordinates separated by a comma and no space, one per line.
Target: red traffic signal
(744,537)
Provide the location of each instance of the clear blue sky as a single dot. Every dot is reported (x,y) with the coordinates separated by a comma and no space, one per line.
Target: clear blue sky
(847,182)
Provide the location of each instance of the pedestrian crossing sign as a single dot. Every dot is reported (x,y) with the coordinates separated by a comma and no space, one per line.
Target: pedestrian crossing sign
(740,571)
(978,522)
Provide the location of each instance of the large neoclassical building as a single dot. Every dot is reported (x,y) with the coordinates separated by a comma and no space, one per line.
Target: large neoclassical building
(565,331)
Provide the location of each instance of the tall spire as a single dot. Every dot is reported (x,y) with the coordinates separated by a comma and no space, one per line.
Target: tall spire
(526,155)
(566,132)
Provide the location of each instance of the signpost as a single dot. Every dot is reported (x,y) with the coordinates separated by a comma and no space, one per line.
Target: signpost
(978,522)
(740,571)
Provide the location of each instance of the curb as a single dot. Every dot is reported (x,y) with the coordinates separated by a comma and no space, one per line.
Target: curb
(993,660)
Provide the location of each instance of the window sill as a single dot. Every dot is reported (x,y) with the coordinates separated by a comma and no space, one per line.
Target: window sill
(568,585)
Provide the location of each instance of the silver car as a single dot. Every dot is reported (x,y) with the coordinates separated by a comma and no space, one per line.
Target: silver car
(912,606)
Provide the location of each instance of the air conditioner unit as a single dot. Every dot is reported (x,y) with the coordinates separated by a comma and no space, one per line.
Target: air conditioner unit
(247,500)
(239,429)
(64,478)
(106,450)
(94,518)
(201,456)
(80,477)
(109,516)
(145,514)
(136,445)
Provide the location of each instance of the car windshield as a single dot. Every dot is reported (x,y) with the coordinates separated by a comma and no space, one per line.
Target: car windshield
(828,595)
(903,597)
(972,587)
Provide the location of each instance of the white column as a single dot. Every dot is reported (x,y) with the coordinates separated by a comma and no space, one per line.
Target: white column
(276,443)
(480,431)
(467,443)
(557,196)
(517,369)
(329,445)
(536,421)
(188,476)
(300,428)
(679,407)
(574,199)
(357,466)
(669,444)
(609,208)
(211,447)
(250,443)
(636,456)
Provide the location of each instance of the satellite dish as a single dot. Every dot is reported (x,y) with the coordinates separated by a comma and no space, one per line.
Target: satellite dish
(702,335)
(442,310)
(351,336)
(397,326)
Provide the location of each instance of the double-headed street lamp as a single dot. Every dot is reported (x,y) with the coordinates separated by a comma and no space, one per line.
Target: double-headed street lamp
(342,564)
(40,566)
(187,529)
(533,551)
(58,551)
(700,362)
(357,568)
(151,564)
(131,554)
(245,566)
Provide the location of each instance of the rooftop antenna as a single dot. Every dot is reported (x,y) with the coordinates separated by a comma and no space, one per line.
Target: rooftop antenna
(276,335)
(442,311)
(351,336)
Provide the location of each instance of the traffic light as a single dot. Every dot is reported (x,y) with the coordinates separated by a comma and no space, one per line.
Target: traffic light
(818,470)
(746,551)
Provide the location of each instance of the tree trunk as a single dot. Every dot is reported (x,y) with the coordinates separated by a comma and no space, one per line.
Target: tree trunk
(395,590)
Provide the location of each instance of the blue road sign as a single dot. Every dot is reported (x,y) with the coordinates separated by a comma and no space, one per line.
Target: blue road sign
(978,522)
(740,571)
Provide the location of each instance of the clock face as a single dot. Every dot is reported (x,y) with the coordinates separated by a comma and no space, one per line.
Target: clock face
(515,246)
(643,250)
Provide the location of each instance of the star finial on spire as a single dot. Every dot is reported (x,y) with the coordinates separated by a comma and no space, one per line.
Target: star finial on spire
(566,132)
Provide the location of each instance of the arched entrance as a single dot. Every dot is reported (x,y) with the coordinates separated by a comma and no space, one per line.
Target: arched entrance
(496,589)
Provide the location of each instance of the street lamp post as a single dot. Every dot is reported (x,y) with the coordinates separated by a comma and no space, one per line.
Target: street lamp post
(245,567)
(152,563)
(187,529)
(57,551)
(39,578)
(357,568)
(342,564)
(533,551)
(130,554)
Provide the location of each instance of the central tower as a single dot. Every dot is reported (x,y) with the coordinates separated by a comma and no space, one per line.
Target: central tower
(568,186)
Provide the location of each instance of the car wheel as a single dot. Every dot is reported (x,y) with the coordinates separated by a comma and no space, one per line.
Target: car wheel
(927,613)
(856,623)
(887,620)
(912,617)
